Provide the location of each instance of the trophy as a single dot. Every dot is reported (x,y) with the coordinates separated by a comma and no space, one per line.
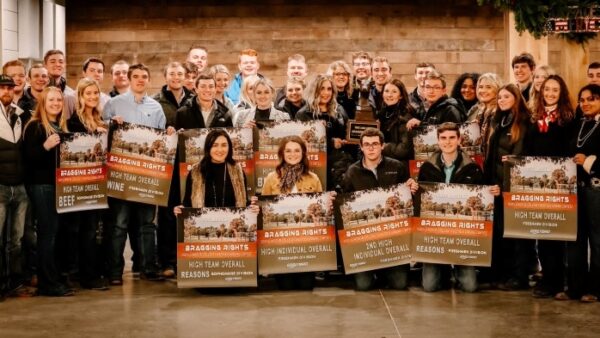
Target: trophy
(365,116)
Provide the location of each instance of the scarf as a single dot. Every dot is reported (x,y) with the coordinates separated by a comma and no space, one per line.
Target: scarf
(548,117)
(290,174)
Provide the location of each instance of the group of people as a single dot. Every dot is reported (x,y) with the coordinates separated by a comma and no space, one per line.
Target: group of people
(531,117)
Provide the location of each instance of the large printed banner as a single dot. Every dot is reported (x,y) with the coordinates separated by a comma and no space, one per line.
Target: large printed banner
(270,135)
(425,144)
(140,163)
(455,225)
(216,247)
(81,172)
(191,152)
(297,234)
(376,228)
(541,198)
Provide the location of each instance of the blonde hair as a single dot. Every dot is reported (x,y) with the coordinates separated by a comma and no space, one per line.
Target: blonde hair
(94,121)
(249,81)
(314,92)
(533,94)
(41,115)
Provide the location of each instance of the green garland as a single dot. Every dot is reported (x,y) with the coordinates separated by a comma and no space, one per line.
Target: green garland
(532,15)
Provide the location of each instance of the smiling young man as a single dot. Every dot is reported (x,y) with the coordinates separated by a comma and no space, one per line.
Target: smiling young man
(120,80)
(523,66)
(382,74)
(442,108)
(248,65)
(449,164)
(417,96)
(374,171)
(593,73)
(199,56)
(134,106)
(203,110)
(93,68)
(56,64)
(296,70)
(173,94)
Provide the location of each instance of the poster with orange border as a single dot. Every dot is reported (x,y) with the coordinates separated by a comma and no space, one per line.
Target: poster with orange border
(191,151)
(140,163)
(216,247)
(296,234)
(376,228)
(425,144)
(454,224)
(81,172)
(540,198)
(269,136)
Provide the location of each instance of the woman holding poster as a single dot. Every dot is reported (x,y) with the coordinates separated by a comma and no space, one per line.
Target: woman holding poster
(511,258)
(552,124)
(292,174)
(321,104)
(584,281)
(83,224)
(40,138)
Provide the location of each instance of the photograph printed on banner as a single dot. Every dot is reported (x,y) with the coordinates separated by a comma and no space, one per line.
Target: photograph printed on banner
(296,211)
(376,205)
(426,143)
(456,201)
(143,142)
(544,175)
(313,134)
(219,225)
(194,139)
(82,149)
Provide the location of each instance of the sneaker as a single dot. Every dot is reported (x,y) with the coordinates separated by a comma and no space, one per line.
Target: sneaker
(589,298)
(151,276)
(542,292)
(22,292)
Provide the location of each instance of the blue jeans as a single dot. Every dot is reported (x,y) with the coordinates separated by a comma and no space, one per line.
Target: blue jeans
(13,208)
(43,198)
(396,277)
(433,275)
(132,214)
(581,277)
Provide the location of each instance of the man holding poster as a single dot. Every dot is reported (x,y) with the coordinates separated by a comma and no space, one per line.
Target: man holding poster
(137,107)
(449,164)
(373,171)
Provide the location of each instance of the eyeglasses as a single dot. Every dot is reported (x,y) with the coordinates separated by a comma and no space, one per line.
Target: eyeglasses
(363,64)
(371,145)
(588,99)
(341,74)
(433,88)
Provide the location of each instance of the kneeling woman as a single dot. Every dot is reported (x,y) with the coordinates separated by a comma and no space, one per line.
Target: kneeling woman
(292,175)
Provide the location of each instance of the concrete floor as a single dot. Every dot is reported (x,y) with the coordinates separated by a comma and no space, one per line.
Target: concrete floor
(151,309)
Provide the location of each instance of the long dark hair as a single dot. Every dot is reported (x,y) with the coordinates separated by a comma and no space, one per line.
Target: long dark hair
(564,108)
(281,150)
(458,85)
(519,111)
(208,144)
(403,102)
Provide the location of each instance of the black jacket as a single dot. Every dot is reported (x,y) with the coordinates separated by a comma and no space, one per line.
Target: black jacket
(189,116)
(591,147)
(348,102)
(465,170)
(40,164)
(389,172)
(11,160)
(287,107)
(446,109)
(28,103)
(416,101)
(398,140)
(550,143)
(169,104)
(500,145)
